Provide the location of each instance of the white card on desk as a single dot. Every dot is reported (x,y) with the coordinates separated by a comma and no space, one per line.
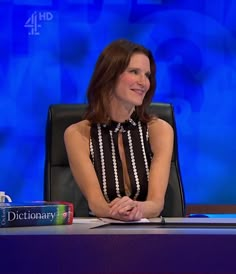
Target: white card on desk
(113,221)
(89,220)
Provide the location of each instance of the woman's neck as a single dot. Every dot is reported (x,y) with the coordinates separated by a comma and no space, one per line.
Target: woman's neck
(120,111)
(120,114)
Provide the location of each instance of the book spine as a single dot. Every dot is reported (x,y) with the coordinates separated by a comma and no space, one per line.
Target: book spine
(40,215)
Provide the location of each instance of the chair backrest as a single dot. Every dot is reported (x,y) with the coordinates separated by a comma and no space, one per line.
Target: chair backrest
(58,180)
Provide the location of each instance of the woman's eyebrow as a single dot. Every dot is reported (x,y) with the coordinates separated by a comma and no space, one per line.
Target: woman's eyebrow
(148,71)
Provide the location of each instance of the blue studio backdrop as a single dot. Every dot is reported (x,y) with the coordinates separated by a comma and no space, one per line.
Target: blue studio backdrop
(48,49)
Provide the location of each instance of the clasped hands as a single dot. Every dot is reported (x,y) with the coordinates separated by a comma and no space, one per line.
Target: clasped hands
(125,209)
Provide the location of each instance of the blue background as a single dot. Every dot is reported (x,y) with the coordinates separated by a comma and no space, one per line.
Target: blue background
(47,53)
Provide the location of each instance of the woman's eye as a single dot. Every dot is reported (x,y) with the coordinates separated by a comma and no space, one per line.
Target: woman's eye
(134,71)
(148,75)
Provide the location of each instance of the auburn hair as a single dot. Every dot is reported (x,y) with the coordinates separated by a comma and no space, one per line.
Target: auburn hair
(113,61)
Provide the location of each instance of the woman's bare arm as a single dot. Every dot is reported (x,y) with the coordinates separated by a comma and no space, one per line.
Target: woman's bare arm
(161,140)
(76,139)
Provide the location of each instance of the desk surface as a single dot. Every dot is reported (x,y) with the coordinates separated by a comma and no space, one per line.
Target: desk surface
(94,226)
(89,246)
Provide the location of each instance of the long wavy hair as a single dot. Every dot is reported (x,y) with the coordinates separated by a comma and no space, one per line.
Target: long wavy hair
(113,61)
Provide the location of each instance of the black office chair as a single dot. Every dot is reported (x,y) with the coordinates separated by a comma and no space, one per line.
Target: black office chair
(59,183)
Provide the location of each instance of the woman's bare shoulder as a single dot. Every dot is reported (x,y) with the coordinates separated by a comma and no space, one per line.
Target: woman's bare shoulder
(81,128)
(161,135)
(159,125)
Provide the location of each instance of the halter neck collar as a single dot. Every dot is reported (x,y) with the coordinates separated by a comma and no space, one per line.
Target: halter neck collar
(122,126)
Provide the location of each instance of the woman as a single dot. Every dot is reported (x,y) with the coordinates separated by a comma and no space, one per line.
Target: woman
(119,155)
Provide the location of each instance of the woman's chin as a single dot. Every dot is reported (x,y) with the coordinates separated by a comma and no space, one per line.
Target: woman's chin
(138,103)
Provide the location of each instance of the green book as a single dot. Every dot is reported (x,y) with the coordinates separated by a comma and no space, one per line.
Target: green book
(36,213)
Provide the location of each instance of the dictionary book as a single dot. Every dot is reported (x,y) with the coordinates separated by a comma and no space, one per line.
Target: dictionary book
(36,214)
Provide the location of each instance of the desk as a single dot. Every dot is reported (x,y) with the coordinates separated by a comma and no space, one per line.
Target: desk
(81,248)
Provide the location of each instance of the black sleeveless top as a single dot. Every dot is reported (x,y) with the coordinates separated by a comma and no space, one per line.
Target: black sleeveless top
(104,153)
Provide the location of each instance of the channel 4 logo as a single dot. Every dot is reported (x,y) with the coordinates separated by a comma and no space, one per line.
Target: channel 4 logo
(33,23)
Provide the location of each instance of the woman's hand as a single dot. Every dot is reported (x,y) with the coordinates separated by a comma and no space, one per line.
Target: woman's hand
(125,209)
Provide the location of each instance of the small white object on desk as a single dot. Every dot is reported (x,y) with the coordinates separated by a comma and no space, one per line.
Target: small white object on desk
(113,221)
(84,220)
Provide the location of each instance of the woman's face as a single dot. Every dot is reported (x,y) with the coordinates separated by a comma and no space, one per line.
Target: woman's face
(133,83)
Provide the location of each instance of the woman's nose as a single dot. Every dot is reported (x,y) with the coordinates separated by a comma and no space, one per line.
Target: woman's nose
(142,79)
